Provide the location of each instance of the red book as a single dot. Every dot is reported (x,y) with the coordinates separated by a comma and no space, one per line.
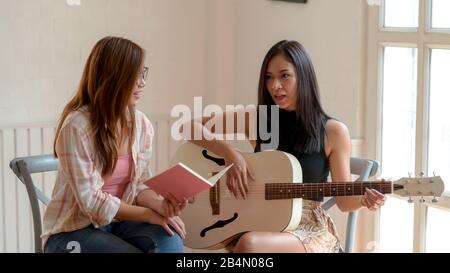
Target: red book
(182,182)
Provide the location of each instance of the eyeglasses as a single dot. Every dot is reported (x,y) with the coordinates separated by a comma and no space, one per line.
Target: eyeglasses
(142,75)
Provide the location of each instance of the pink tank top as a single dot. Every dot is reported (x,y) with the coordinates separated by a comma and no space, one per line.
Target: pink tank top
(116,183)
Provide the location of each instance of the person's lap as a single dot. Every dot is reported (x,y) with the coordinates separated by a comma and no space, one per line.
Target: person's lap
(118,237)
(147,237)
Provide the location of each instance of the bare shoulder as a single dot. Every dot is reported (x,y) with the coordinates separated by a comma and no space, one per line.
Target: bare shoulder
(334,127)
(337,133)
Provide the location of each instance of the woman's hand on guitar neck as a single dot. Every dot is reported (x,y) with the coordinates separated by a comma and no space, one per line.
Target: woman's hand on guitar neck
(372,199)
(239,175)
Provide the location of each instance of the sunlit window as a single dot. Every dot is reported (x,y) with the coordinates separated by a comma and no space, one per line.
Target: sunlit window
(415,117)
(399,111)
(439,136)
(438,226)
(401,13)
(440,14)
(396,226)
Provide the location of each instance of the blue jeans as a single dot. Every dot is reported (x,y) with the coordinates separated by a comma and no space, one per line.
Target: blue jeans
(117,237)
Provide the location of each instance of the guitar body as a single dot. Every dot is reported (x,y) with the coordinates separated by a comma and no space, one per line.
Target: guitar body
(215,217)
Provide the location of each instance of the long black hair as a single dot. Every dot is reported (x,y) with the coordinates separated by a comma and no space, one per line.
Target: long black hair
(310,116)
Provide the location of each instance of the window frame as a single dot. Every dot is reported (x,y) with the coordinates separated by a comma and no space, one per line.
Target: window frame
(429,22)
(425,39)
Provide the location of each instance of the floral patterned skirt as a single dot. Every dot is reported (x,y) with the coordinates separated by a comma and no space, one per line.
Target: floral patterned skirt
(316,230)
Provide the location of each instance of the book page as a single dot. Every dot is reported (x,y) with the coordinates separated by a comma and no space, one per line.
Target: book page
(213,179)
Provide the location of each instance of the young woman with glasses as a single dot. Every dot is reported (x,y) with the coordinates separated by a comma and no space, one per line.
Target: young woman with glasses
(103,143)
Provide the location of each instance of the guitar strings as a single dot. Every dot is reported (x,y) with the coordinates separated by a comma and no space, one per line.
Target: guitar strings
(260,190)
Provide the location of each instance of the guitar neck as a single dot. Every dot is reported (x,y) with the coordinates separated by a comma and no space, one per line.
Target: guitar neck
(275,191)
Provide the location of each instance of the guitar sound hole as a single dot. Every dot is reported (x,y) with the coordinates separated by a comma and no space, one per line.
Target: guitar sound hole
(219,224)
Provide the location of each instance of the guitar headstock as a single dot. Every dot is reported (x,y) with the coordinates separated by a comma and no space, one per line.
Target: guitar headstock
(419,186)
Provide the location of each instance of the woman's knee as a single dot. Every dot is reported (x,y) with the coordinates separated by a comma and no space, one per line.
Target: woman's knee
(247,243)
(154,238)
(168,243)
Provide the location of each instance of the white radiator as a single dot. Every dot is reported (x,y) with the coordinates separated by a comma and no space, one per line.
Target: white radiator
(16,227)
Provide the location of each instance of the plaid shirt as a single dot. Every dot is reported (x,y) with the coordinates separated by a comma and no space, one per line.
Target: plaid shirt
(77,198)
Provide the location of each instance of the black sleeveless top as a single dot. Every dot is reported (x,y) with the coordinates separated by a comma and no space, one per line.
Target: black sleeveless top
(315,165)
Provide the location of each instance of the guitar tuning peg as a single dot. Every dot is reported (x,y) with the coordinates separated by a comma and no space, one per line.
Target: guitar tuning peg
(422,174)
(410,200)
(422,200)
(434,200)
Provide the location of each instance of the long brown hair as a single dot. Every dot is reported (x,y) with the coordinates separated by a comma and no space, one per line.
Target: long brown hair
(311,117)
(105,88)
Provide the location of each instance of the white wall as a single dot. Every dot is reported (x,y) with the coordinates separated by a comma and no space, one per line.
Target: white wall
(331,31)
(212,48)
(45,44)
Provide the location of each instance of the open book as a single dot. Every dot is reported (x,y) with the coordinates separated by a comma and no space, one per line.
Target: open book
(182,182)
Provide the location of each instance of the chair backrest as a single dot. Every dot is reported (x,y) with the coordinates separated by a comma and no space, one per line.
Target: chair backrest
(364,168)
(23,167)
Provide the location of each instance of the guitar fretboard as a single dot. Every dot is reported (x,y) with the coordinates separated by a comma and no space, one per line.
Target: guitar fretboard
(275,191)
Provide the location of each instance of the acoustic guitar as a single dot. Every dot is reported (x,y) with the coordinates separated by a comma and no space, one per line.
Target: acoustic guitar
(215,217)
